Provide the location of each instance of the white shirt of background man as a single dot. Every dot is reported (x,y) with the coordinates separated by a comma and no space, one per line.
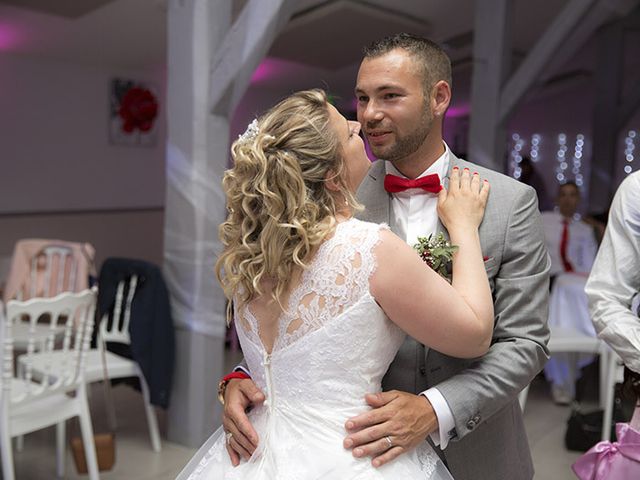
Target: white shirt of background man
(581,248)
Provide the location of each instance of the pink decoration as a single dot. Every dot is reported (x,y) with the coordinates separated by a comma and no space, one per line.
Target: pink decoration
(612,461)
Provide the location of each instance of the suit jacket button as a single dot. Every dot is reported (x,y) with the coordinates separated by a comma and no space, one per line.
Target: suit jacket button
(423,371)
(471,424)
(476,419)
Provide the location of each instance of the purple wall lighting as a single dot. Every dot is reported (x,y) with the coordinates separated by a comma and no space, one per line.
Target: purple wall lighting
(10,37)
(456,111)
(267,70)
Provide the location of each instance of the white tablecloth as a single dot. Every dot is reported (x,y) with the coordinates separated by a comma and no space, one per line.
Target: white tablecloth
(568,305)
(568,310)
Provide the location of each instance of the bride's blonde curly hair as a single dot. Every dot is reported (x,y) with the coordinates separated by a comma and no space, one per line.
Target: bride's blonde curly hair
(279,206)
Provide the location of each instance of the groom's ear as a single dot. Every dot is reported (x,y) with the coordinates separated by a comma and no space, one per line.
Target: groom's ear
(331,181)
(440,98)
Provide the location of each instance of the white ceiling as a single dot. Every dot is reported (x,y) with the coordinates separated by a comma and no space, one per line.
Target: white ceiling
(330,34)
(323,39)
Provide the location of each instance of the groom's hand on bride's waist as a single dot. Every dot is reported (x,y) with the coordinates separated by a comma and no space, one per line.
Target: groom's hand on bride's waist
(397,422)
(242,439)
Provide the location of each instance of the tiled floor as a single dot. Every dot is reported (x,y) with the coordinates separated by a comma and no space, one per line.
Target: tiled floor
(545,423)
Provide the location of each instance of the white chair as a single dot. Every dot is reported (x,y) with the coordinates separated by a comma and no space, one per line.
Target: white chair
(53,271)
(53,256)
(28,405)
(571,332)
(570,341)
(564,340)
(615,374)
(116,329)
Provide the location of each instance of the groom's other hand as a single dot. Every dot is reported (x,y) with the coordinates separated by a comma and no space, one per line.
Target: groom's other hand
(397,422)
(239,396)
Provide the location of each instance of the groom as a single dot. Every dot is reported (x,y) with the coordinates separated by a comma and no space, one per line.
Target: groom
(468,407)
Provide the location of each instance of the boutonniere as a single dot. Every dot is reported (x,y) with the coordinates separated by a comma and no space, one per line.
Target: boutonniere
(436,252)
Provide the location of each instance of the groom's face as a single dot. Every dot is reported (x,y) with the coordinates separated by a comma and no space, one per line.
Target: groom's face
(395,115)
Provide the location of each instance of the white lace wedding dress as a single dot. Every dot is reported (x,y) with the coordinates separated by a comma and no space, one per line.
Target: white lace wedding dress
(334,346)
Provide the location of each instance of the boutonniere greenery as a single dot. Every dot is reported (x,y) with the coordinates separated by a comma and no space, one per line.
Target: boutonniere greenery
(436,252)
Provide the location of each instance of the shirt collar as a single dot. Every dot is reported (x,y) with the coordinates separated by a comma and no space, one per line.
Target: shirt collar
(440,166)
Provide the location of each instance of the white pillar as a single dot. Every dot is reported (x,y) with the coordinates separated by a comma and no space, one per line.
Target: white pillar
(210,63)
(197,153)
(608,82)
(491,58)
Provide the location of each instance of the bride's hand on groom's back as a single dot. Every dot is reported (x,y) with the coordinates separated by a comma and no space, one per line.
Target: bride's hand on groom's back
(242,439)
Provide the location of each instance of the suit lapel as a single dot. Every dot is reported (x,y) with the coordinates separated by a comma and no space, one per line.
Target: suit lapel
(375,197)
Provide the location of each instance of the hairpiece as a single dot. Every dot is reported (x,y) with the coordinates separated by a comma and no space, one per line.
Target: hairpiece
(250,133)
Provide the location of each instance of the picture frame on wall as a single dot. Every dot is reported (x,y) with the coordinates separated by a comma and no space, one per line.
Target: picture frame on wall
(133,113)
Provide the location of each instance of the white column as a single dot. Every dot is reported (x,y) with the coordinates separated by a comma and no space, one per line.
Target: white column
(210,63)
(608,81)
(491,56)
(197,153)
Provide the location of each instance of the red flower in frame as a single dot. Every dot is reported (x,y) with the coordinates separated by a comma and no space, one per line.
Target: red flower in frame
(138,109)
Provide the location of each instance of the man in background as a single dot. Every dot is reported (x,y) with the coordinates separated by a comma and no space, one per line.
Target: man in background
(572,247)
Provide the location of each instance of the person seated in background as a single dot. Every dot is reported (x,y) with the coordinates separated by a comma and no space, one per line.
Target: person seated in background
(570,241)
(572,247)
(531,177)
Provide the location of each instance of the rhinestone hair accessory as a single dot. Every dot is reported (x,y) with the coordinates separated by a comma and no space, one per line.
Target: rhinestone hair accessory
(250,133)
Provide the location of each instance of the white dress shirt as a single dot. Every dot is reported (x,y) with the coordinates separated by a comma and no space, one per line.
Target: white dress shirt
(415,213)
(581,247)
(615,277)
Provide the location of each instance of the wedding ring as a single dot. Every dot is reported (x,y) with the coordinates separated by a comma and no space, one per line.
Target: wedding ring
(388,441)
(228,436)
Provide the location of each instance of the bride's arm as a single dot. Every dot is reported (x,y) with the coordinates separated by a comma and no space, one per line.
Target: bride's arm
(454,319)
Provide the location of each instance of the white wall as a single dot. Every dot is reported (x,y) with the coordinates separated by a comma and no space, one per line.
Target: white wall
(54,146)
(60,177)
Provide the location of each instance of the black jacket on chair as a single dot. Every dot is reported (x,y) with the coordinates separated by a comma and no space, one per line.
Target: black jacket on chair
(151,327)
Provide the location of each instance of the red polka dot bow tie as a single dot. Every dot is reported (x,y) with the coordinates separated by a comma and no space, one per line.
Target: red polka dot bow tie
(428,183)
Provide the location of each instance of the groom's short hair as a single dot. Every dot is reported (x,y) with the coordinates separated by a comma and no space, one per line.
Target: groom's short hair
(434,62)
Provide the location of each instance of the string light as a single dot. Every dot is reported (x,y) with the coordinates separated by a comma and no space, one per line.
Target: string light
(567,165)
(534,153)
(577,162)
(560,157)
(628,151)
(516,156)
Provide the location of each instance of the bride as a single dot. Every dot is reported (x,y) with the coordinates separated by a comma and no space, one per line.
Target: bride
(322,301)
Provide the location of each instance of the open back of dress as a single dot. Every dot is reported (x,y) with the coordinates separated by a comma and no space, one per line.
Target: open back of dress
(334,344)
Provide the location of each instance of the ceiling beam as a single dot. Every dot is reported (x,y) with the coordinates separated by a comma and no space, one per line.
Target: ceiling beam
(550,41)
(242,50)
(321,9)
(602,12)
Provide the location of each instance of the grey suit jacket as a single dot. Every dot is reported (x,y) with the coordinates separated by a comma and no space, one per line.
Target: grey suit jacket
(489,440)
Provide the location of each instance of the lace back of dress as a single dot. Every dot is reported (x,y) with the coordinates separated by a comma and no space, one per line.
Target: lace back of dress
(336,278)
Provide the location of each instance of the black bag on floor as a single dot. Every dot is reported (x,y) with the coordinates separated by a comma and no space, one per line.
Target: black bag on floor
(584,430)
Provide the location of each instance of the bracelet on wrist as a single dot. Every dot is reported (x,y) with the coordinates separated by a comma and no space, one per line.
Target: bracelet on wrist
(222,386)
